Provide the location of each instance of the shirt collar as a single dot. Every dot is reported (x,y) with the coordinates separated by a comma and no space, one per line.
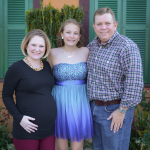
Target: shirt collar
(110,40)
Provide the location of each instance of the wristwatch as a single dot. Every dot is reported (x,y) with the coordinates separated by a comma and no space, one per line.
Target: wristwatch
(123,111)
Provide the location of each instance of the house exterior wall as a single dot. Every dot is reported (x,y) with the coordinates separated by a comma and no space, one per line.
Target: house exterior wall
(60,3)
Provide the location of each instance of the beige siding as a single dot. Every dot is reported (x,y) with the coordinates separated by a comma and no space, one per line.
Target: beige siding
(60,3)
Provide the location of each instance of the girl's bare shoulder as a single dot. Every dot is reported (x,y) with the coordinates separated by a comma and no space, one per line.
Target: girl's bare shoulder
(55,51)
(85,50)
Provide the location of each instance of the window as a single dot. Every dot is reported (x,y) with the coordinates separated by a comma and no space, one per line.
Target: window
(12,31)
(133,17)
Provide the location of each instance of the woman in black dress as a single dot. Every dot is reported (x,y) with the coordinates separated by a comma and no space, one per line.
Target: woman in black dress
(35,110)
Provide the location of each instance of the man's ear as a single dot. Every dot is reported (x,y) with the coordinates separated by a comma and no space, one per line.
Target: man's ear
(115,25)
(94,26)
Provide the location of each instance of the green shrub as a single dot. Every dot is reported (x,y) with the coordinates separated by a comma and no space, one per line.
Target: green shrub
(5,140)
(140,135)
(49,19)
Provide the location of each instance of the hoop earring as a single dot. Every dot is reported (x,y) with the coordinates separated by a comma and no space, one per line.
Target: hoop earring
(78,39)
(62,37)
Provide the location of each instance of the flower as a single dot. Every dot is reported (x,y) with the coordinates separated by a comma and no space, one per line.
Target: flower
(138,141)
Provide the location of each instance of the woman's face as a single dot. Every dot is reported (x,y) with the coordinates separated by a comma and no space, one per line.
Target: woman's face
(36,48)
(71,34)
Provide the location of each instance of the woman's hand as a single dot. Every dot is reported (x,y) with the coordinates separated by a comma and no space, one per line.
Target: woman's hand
(27,125)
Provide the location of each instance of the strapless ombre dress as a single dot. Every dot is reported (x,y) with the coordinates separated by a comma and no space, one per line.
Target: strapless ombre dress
(74,119)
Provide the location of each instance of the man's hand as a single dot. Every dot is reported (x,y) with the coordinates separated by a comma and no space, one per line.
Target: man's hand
(27,125)
(117,120)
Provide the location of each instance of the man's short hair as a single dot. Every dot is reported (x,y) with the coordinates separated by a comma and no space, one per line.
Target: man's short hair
(104,10)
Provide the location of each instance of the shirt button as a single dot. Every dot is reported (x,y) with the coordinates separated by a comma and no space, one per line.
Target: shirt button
(94,70)
(93,94)
(96,58)
(94,82)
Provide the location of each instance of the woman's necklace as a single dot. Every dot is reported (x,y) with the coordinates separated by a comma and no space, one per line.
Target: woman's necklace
(36,69)
(69,56)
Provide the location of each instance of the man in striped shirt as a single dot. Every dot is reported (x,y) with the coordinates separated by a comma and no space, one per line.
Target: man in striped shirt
(115,82)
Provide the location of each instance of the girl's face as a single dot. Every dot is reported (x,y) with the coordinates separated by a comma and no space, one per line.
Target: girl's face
(36,48)
(71,34)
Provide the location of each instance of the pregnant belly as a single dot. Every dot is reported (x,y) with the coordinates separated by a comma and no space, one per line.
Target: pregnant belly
(42,109)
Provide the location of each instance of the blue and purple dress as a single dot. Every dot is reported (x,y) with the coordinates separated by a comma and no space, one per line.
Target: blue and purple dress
(74,119)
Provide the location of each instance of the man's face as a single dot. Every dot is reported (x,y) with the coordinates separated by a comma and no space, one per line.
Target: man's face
(104,27)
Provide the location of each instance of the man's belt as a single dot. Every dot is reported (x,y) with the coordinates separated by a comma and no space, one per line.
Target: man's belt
(101,103)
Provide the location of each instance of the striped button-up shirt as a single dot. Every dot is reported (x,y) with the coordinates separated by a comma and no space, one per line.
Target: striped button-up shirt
(115,71)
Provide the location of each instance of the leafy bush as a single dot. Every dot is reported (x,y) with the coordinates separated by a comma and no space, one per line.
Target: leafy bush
(49,19)
(5,139)
(140,135)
